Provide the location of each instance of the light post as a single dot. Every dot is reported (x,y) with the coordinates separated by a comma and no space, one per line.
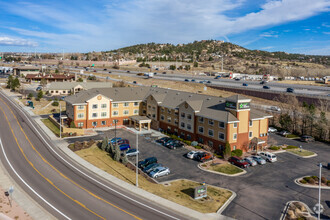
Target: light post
(60,121)
(319,211)
(137,160)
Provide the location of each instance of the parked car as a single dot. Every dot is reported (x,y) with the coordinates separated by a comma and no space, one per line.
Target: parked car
(132,152)
(105,69)
(163,140)
(275,108)
(124,147)
(134,82)
(268,156)
(39,88)
(237,79)
(192,154)
(169,141)
(128,71)
(193,80)
(151,167)
(307,138)
(164,72)
(208,81)
(160,171)
(290,90)
(122,141)
(262,82)
(238,162)
(259,159)
(150,160)
(176,145)
(110,72)
(186,80)
(113,140)
(203,156)
(272,130)
(284,133)
(250,161)
(245,84)
(266,87)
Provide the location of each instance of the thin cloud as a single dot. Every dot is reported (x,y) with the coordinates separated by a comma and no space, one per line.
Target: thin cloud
(11,41)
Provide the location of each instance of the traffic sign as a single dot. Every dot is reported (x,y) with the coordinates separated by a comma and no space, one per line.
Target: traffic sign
(11,189)
(317,210)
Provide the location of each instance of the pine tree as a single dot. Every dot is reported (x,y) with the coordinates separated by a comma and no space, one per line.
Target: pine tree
(104,145)
(117,153)
(227,152)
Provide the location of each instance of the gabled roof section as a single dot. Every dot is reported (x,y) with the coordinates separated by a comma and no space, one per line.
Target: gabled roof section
(195,104)
(238,98)
(159,98)
(256,114)
(71,85)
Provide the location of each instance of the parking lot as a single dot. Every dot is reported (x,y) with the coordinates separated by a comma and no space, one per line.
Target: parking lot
(262,192)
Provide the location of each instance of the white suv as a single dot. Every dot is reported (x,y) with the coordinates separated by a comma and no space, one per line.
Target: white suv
(268,156)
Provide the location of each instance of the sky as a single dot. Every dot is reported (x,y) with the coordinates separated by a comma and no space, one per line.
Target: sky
(293,26)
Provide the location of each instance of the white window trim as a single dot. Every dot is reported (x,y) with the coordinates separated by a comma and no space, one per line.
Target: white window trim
(83,115)
(126,111)
(210,123)
(234,125)
(106,114)
(250,123)
(115,114)
(208,132)
(94,105)
(94,116)
(219,135)
(234,136)
(224,124)
(250,132)
(113,105)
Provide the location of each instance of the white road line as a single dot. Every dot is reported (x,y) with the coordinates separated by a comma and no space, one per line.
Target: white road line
(109,188)
(4,153)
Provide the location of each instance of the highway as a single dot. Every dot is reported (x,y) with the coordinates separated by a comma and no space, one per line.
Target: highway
(58,184)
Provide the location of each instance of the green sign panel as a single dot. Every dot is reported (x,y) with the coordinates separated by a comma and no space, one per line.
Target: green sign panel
(244,105)
(93,64)
(200,192)
(231,105)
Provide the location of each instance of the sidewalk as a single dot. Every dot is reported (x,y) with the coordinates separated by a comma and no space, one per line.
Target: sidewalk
(63,146)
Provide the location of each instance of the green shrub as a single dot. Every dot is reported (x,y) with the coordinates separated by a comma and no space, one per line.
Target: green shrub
(55,103)
(291,147)
(315,178)
(323,180)
(274,148)
(237,152)
(311,181)
(303,181)
(328,183)
(72,124)
(197,147)
(187,142)
(307,178)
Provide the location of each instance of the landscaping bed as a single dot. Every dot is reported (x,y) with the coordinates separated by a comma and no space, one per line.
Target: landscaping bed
(301,152)
(225,168)
(180,191)
(298,210)
(314,181)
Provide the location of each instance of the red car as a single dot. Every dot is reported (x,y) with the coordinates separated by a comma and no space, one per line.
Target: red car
(238,162)
(203,156)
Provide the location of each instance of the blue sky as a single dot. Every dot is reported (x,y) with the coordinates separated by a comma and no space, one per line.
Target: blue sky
(294,26)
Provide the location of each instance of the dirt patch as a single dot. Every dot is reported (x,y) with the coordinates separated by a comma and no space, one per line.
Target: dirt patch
(298,210)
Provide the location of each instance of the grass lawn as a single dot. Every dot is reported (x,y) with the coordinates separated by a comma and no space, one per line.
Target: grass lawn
(303,152)
(180,191)
(51,126)
(225,168)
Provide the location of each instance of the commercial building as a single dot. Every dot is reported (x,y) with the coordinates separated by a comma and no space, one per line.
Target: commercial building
(207,119)
(25,70)
(51,77)
(67,88)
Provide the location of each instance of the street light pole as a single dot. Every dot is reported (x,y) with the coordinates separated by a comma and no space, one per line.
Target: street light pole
(60,121)
(137,160)
(319,212)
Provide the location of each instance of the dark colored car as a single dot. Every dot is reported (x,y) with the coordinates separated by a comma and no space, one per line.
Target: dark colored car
(110,72)
(266,87)
(124,147)
(209,81)
(176,145)
(163,140)
(122,141)
(262,82)
(105,69)
(164,72)
(290,90)
(151,167)
(128,71)
(203,156)
(186,80)
(245,84)
(238,162)
(144,163)
(169,141)
(306,138)
(237,79)
(193,80)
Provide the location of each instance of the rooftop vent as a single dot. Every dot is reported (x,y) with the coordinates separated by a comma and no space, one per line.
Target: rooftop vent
(177,93)
(190,95)
(208,99)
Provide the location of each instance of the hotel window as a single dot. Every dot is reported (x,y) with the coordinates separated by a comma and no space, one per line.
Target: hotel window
(235,136)
(136,104)
(201,130)
(126,104)
(81,115)
(94,123)
(188,126)
(162,117)
(234,148)
(94,106)
(188,137)
(176,121)
(169,119)
(104,106)
(182,124)
(64,92)
(211,122)
(136,112)
(221,136)
(221,124)
(182,135)
(189,116)
(115,105)
(80,124)
(183,115)
(210,143)
(176,112)
(81,107)
(235,125)
(94,115)
(114,113)
(250,134)
(162,109)
(210,132)
(144,112)
(126,112)
(149,106)
(201,119)
(168,111)
(154,116)
(103,122)
(153,108)
(200,140)
(250,123)
(103,114)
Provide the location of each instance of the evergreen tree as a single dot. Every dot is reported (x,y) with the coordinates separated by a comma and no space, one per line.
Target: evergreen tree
(117,152)
(40,95)
(227,152)
(104,145)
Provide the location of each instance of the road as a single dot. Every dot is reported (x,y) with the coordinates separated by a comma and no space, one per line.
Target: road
(64,189)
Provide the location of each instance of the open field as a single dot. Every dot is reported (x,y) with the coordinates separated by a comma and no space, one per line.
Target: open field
(43,107)
(180,191)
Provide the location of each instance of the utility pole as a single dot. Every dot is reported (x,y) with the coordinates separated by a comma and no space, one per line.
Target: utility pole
(319,212)
(222,63)
(60,121)
(137,160)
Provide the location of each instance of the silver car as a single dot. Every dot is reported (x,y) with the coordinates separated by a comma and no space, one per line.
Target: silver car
(250,161)
(259,159)
(159,171)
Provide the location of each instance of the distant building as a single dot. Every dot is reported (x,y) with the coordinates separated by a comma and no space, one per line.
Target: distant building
(70,88)
(25,70)
(51,77)
(327,80)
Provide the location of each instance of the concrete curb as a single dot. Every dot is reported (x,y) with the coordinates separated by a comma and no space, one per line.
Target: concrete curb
(285,210)
(309,186)
(224,174)
(278,152)
(314,155)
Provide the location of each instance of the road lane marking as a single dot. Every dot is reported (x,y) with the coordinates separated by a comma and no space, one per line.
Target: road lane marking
(93,179)
(27,185)
(79,203)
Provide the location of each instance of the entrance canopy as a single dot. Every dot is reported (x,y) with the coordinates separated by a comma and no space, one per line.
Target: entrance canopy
(139,122)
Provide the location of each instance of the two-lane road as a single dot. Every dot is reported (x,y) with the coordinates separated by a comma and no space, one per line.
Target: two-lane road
(64,189)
